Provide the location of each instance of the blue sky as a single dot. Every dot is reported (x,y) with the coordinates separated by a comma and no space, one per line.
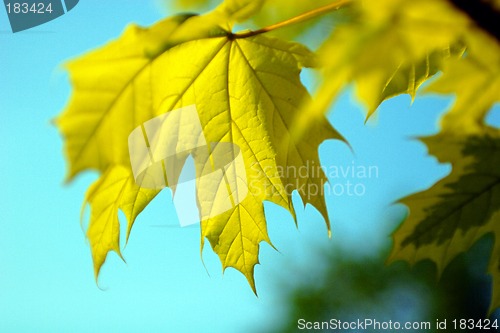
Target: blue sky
(46,277)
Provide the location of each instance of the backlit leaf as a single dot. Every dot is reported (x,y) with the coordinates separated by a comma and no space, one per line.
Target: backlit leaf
(457,211)
(247,91)
(389,48)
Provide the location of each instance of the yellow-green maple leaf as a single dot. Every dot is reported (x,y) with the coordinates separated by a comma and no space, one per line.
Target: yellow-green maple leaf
(389,48)
(247,92)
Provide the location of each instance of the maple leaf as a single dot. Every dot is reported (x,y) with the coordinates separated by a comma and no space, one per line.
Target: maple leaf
(457,211)
(247,91)
(390,47)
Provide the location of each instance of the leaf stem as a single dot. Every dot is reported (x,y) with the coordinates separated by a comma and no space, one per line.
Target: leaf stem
(297,19)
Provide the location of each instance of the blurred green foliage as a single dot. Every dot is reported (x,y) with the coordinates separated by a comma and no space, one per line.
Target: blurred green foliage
(357,288)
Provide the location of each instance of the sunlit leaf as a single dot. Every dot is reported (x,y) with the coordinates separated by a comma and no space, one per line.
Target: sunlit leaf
(389,48)
(448,218)
(247,92)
